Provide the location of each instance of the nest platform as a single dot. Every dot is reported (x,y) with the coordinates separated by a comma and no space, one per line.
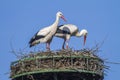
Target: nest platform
(58,65)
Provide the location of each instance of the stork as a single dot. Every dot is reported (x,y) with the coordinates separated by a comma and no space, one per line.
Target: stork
(46,34)
(66,31)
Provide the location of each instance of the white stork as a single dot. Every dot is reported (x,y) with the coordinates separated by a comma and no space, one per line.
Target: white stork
(46,34)
(68,30)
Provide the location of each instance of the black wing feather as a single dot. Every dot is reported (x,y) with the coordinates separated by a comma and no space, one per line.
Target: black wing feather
(64,31)
(35,37)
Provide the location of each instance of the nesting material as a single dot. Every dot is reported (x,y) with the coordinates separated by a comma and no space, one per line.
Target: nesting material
(74,62)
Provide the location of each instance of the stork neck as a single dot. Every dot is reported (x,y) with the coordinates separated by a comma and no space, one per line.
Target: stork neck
(57,20)
(55,24)
(79,34)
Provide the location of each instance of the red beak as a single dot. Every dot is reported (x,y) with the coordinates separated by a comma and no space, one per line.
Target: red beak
(84,39)
(63,18)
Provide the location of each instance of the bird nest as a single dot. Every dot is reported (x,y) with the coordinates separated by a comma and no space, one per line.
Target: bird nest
(62,63)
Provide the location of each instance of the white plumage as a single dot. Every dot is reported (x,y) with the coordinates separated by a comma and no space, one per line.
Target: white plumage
(66,31)
(46,34)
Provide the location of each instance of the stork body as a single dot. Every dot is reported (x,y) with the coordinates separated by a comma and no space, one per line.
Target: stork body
(46,34)
(66,31)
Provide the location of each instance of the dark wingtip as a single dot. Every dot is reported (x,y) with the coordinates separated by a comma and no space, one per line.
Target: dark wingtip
(30,45)
(30,42)
(60,25)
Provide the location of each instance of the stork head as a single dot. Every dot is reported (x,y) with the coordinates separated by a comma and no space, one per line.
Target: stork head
(60,15)
(84,33)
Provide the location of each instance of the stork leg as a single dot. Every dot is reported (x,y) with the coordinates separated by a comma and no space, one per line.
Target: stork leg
(67,44)
(63,44)
(48,46)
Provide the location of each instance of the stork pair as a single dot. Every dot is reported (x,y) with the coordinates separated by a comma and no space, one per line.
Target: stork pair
(46,34)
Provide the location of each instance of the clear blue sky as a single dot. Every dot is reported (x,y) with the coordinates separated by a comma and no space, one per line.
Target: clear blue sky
(21,19)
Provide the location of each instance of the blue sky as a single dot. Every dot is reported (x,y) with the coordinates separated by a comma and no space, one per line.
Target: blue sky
(21,19)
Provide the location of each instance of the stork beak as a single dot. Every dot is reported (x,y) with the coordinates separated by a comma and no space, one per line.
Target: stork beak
(84,39)
(63,18)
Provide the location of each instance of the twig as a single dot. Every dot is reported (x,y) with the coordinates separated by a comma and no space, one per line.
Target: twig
(112,62)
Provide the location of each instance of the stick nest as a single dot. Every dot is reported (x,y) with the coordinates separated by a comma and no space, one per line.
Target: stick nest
(84,60)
